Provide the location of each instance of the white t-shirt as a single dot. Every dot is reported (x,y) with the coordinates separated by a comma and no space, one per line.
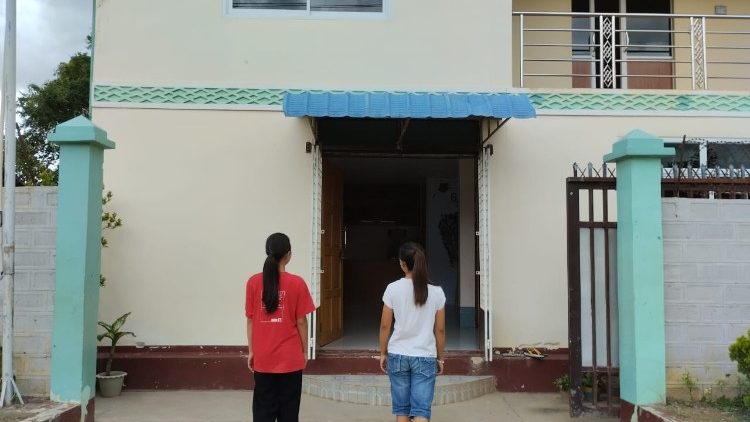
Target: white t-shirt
(413,334)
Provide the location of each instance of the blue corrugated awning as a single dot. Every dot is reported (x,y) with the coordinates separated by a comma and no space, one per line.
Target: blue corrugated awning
(419,105)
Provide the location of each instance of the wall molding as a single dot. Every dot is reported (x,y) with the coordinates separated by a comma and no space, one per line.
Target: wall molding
(563,103)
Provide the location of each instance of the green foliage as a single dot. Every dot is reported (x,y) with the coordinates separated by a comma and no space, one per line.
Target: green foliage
(562,383)
(739,352)
(41,108)
(110,221)
(114,333)
(587,381)
(689,382)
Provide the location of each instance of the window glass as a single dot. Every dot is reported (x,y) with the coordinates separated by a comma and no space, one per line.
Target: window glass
(270,4)
(724,155)
(582,36)
(315,5)
(649,36)
(686,155)
(346,5)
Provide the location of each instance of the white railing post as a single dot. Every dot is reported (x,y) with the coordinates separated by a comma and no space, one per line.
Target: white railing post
(705,54)
(521,59)
(614,52)
(698,53)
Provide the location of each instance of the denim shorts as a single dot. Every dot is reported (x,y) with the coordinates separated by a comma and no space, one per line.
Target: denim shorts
(412,384)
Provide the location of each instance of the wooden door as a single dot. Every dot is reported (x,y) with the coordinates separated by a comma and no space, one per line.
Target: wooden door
(331,312)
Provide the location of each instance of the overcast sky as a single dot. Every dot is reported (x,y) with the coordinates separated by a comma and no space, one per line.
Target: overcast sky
(49,32)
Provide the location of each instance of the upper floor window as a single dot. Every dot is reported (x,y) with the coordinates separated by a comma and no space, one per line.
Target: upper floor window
(306,7)
(644,36)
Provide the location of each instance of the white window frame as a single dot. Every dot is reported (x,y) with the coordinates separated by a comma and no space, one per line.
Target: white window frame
(230,11)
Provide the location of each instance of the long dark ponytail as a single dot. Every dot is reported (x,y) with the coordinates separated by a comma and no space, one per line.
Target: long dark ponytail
(277,246)
(414,257)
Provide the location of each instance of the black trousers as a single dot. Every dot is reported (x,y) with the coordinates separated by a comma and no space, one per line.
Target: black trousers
(276,397)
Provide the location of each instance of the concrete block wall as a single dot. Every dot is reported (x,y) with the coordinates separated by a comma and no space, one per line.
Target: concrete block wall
(36,223)
(707,286)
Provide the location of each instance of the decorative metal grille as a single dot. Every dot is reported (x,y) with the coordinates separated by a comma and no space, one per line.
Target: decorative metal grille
(608,48)
(698,51)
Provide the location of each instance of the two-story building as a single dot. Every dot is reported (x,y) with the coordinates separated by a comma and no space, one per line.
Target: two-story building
(354,125)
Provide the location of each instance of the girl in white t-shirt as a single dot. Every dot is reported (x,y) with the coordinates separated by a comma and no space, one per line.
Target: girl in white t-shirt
(413,356)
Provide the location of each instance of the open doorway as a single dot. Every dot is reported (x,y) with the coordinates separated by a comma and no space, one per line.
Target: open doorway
(384,202)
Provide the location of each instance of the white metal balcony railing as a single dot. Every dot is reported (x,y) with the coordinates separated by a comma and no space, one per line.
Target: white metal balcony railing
(629,50)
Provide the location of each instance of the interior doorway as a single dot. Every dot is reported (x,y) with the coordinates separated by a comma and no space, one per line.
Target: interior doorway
(371,205)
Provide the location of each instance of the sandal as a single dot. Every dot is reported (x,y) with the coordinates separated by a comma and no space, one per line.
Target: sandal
(533,353)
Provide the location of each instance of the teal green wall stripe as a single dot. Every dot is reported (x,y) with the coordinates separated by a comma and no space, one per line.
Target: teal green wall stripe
(188,95)
(543,101)
(609,101)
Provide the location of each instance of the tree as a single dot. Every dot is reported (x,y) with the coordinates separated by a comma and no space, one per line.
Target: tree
(43,107)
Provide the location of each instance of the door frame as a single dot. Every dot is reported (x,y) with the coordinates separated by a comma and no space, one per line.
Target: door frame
(484,316)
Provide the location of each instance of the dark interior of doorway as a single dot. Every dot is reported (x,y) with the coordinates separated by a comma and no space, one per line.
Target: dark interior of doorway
(386,202)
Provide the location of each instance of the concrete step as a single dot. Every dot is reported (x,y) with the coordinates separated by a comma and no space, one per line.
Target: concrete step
(375,390)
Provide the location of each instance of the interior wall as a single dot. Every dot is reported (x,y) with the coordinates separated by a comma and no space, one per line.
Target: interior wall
(442,235)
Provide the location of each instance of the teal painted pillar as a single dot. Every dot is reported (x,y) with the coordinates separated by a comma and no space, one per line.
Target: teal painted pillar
(640,267)
(78,262)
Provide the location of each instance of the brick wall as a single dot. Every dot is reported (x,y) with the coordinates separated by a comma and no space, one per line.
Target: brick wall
(36,223)
(707,285)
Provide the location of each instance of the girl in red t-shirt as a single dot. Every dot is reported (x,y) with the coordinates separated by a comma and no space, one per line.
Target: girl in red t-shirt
(276,307)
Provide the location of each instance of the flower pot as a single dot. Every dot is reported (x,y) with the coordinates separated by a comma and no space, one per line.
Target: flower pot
(111,385)
(588,394)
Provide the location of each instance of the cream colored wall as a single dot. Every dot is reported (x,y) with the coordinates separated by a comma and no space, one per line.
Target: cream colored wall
(558,53)
(199,191)
(734,7)
(419,45)
(532,159)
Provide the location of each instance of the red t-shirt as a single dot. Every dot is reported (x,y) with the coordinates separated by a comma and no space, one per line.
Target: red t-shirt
(277,347)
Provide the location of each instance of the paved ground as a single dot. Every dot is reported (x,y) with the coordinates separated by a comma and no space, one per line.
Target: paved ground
(234,406)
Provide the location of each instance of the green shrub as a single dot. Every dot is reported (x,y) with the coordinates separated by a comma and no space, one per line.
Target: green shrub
(739,352)
(563,383)
(690,383)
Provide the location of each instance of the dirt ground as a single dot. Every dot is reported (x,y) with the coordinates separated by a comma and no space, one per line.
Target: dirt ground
(10,415)
(697,413)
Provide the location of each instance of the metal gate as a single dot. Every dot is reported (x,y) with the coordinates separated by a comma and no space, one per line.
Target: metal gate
(592,270)
(592,291)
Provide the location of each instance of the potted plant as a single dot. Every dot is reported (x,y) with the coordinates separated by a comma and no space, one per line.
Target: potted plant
(563,386)
(587,386)
(110,382)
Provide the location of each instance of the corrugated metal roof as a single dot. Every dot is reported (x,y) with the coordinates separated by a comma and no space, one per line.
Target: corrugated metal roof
(379,104)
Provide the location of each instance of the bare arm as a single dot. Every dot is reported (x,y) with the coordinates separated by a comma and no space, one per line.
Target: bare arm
(440,337)
(302,330)
(386,320)
(250,344)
